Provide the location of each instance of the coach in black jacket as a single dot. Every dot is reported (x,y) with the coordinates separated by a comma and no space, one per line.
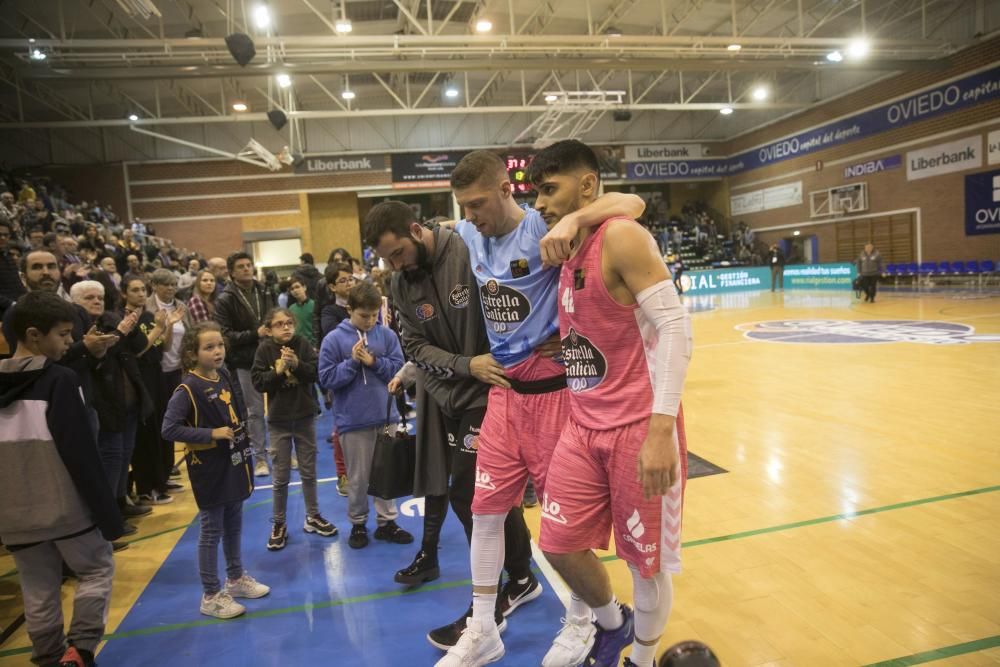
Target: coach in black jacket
(240,311)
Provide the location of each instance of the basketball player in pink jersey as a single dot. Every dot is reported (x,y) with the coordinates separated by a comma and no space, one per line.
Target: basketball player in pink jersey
(620,463)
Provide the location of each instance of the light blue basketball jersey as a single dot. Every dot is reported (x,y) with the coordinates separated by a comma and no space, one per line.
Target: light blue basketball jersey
(517,293)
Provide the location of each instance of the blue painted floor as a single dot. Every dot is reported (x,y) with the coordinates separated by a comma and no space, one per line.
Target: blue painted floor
(328,602)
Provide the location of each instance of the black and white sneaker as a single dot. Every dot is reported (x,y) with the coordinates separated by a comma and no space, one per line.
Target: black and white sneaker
(317,524)
(278,538)
(391,532)
(155,498)
(515,593)
(448,635)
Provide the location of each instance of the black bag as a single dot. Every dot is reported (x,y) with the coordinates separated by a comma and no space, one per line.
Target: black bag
(393,462)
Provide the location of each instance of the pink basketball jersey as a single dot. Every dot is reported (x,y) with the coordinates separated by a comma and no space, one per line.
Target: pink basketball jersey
(604,343)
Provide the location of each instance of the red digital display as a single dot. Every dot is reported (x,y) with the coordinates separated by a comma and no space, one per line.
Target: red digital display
(517,171)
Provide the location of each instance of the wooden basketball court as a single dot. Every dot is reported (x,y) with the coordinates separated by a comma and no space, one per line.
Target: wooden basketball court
(856,522)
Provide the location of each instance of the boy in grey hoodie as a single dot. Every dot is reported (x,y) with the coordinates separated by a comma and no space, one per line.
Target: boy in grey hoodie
(55,503)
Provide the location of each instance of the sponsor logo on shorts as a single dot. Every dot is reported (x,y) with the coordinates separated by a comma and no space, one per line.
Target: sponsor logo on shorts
(505,308)
(459,297)
(425,311)
(552,511)
(586,366)
(484,481)
(635,531)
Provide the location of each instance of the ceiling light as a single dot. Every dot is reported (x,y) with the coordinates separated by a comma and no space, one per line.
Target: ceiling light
(612,31)
(343,26)
(796,233)
(725,111)
(835,56)
(858,48)
(484,25)
(133,117)
(284,80)
(261,16)
(239,106)
(551,98)
(760,93)
(451,91)
(733,47)
(37,54)
(348,95)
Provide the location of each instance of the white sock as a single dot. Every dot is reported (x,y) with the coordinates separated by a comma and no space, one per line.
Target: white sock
(578,609)
(487,553)
(654,598)
(609,617)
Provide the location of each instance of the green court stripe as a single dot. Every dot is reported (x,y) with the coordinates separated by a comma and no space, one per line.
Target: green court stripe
(828,519)
(941,653)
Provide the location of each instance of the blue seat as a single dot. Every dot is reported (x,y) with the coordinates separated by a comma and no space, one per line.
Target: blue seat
(927,268)
(972,267)
(911,268)
(958,267)
(945,267)
(988,266)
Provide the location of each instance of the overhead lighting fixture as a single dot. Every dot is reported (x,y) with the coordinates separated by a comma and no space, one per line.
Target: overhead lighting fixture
(796,233)
(261,17)
(343,26)
(551,98)
(37,54)
(239,106)
(284,80)
(734,47)
(760,93)
(348,95)
(835,56)
(132,117)
(484,25)
(612,31)
(725,111)
(451,91)
(858,48)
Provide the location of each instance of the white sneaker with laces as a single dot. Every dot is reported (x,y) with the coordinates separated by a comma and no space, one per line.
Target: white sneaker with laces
(478,646)
(260,469)
(573,643)
(221,605)
(246,587)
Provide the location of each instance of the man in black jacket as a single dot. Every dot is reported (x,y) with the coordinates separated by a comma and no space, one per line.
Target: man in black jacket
(776,260)
(240,312)
(11,286)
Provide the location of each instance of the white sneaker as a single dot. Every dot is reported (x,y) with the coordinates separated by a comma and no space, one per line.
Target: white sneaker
(260,469)
(573,643)
(221,605)
(247,587)
(477,646)
(295,462)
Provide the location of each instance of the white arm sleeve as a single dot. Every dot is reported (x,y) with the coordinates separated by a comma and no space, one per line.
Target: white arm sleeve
(663,309)
(408,374)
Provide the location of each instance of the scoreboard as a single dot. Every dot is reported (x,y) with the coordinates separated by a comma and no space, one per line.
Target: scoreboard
(517,171)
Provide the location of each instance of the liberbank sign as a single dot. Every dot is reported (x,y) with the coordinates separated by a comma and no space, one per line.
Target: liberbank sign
(969,90)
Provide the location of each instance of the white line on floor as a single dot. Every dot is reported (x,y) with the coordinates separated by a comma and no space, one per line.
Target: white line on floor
(271,486)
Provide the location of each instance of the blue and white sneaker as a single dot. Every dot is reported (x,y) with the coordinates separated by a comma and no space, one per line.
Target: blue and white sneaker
(609,644)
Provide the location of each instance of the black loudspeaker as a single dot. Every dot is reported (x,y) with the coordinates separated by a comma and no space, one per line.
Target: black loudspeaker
(622,115)
(241,48)
(278,118)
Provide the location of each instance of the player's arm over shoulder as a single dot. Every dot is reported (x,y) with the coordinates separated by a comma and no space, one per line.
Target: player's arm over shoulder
(633,256)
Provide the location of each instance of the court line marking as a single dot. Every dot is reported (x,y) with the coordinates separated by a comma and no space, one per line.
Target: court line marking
(941,653)
(468,582)
(847,516)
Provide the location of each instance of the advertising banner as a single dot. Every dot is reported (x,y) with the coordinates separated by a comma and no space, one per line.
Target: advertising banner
(957,155)
(341,164)
(982,203)
(947,97)
(424,170)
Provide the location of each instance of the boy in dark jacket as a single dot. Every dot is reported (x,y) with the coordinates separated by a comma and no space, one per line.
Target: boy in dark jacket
(357,361)
(55,503)
(284,368)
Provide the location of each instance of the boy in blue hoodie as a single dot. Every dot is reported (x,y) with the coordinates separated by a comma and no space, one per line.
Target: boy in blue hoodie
(356,361)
